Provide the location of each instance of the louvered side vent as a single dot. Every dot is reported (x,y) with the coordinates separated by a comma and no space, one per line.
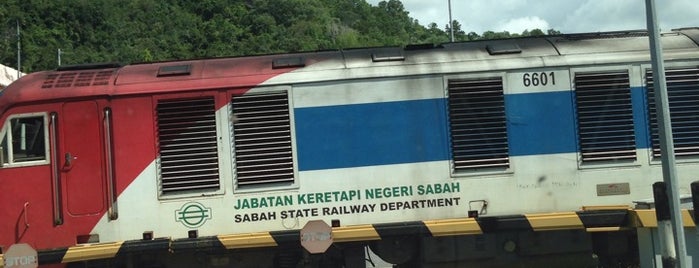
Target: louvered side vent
(262,137)
(477,124)
(78,79)
(187,145)
(605,117)
(683,97)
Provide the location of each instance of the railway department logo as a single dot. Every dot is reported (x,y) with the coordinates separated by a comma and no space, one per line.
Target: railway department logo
(193,214)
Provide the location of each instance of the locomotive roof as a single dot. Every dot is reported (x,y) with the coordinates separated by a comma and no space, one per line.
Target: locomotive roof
(245,72)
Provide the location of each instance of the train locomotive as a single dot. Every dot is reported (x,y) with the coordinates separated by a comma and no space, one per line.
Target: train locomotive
(527,150)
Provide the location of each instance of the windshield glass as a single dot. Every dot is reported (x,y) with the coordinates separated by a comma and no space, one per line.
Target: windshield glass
(23,139)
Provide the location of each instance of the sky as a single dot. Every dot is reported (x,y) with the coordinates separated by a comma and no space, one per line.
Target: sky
(566,16)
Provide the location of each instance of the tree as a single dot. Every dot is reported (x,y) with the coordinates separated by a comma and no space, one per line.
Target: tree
(552,32)
(459,34)
(536,32)
(150,30)
(435,35)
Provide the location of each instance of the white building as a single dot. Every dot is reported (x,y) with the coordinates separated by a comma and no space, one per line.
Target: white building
(7,75)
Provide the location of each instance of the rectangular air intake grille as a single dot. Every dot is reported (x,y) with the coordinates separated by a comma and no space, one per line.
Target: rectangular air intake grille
(262,137)
(477,123)
(77,79)
(605,116)
(187,145)
(683,96)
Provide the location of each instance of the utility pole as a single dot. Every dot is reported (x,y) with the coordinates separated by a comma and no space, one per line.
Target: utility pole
(59,57)
(451,23)
(19,53)
(667,146)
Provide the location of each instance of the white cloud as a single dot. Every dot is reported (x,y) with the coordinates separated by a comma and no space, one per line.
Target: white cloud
(426,12)
(599,16)
(567,16)
(518,25)
(679,14)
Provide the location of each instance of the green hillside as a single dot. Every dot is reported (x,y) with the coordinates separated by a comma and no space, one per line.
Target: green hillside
(91,31)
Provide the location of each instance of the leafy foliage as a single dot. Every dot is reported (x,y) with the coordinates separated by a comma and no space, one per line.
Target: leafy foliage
(91,31)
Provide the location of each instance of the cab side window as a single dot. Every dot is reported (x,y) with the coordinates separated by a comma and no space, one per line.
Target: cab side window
(23,140)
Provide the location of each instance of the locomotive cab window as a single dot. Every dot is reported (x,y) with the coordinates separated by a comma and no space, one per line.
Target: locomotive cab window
(23,140)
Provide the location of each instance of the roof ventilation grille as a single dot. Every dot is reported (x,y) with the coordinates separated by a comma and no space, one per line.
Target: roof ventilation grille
(174,70)
(388,54)
(503,48)
(77,79)
(291,62)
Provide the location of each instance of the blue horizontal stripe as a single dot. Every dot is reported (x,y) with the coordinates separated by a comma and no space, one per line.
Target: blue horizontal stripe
(540,123)
(371,134)
(640,117)
(417,131)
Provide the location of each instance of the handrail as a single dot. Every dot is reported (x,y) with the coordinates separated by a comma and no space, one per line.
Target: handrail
(113,213)
(57,216)
(26,214)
